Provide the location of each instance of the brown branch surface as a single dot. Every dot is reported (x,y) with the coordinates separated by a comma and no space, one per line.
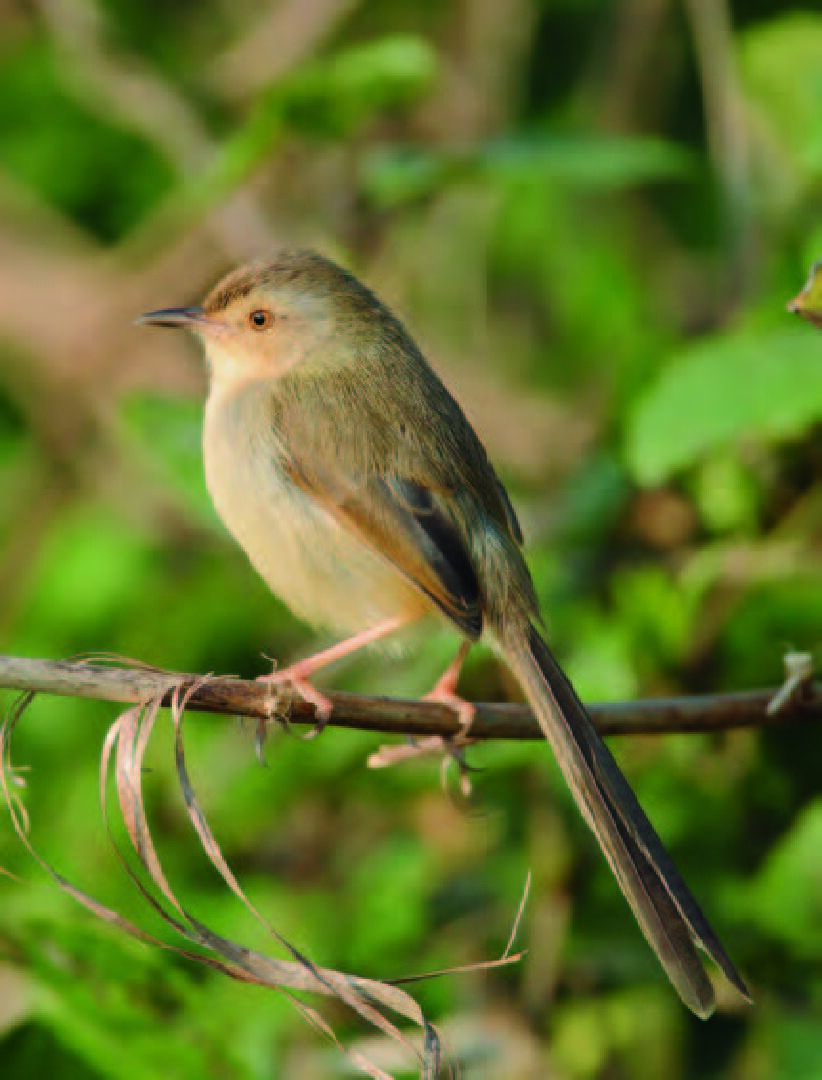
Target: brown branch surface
(395,716)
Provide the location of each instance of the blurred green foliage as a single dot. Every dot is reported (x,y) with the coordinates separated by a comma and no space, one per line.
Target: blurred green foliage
(592,215)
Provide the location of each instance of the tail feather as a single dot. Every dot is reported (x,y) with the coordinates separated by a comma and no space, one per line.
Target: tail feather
(664,907)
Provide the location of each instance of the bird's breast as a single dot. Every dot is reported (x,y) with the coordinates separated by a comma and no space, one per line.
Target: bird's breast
(320,569)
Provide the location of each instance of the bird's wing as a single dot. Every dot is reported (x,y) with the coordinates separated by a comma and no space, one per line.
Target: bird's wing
(385,486)
(401,520)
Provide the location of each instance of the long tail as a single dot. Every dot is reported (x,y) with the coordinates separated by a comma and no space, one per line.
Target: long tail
(667,913)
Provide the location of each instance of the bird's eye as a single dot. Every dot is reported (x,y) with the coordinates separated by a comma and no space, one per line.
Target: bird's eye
(261,319)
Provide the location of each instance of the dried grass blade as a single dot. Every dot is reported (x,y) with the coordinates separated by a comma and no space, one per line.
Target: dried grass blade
(482,965)
(512,937)
(21,827)
(129,737)
(359,995)
(125,746)
(131,749)
(321,1025)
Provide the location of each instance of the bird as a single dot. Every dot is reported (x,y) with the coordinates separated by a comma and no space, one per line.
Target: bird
(338,460)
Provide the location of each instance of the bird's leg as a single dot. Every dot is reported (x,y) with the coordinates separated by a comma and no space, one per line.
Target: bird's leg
(297,676)
(444,692)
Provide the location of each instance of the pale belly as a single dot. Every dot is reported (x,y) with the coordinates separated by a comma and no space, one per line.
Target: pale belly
(323,572)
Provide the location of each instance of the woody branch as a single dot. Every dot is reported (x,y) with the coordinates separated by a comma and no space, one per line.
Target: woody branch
(799,699)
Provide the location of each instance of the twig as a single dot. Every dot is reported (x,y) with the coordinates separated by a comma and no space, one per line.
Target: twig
(275,43)
(238,697)
(726,127)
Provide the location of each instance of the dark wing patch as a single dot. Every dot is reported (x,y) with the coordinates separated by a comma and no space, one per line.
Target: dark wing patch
(446,553)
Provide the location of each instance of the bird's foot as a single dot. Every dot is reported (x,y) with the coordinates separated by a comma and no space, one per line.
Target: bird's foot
(451,748)
(297,677)
(445,693)
(447,748)
(296,682)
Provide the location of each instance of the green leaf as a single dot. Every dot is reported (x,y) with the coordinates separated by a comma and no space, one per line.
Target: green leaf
(727,494)
(766,387)
(101,175)
(334,96)
(786,896)
(781,68)
(790,1042)
(397,175)
(330,98)
(596,163)
(168,433)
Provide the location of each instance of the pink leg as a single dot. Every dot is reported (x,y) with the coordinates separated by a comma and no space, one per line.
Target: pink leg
(298,675)
(445,690)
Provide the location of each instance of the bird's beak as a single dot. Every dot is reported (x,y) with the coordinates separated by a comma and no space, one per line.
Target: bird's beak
(190,318)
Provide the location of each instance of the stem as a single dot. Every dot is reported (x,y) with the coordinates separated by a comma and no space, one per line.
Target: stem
(238,697)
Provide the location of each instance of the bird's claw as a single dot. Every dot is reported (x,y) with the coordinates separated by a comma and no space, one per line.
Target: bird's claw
(296,684)
(450,747)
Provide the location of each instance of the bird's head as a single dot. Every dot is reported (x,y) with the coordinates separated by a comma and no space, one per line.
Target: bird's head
(264,319)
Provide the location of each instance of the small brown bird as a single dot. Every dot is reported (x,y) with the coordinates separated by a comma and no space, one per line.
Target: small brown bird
(359,491)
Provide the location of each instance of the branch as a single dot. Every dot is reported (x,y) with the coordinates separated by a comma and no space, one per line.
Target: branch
(394,716)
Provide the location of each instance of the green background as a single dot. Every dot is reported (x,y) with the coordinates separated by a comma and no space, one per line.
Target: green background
(592,215)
